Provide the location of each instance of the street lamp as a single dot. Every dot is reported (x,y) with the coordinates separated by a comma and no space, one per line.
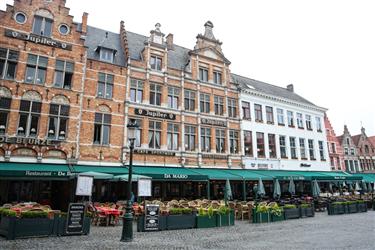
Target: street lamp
(127,225)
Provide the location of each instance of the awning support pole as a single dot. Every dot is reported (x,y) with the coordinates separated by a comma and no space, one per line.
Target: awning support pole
(208,190)
(244,190)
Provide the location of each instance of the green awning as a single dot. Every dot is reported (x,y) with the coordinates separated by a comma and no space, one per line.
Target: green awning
(101,169)
(247,174)
(217,174)
(170,173)
(125,177)
(282,174)
(337,176)
(366,177)
(97,175)
(36,171)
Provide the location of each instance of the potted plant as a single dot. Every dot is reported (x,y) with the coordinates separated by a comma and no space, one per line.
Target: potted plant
(180,218)
(361,206)
(352,207)
(61,223)
(337,207)
(28,224)
(307,210)
(206,218)
(277,213)
(291,212)
(225,216)
(261,214)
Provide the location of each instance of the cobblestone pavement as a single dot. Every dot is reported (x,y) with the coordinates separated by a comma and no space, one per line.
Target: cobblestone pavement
(355,231)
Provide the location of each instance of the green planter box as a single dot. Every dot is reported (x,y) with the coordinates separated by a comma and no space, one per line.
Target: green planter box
(275,218)
(223,220)
(206,221)
(334,209)
(141,223)
(60,226)
(261,217)
(307,212)
(183,221)
(292,213)
(12,228)
(361,207)
(352,208)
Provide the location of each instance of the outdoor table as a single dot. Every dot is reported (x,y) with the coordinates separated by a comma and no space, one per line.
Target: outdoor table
(111,213)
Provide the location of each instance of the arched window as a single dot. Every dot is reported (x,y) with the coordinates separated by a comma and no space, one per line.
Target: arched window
(29,114)
(43,21)
(5,100)
(58,118)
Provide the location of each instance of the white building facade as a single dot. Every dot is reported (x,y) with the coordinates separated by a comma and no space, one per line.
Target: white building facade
(280,130)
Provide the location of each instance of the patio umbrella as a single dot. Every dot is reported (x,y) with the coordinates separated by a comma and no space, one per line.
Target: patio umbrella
(261,190)
(364,187)
(350,187)
(315,189)
(343,184)
(300,186)
(98,175)
(357,187)
(292,187)
(125,177)
(276,189)
(369,187)
(330,186)
(228,191)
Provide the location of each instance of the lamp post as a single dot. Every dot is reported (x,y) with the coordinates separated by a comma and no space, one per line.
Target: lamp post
(127,225)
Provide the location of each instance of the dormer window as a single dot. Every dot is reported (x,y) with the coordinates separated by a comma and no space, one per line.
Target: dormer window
(155,63)
(106,55)
(203,74)
(42,26)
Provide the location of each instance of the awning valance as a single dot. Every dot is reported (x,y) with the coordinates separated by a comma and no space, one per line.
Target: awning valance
(170,173)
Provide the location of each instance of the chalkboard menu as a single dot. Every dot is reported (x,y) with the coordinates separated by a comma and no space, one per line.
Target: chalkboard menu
(152,217)
(76,214)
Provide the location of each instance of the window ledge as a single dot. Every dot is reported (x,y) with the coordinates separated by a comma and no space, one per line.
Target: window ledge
(281,124)
(259,121)
(301,128)
(270,123)
(291,126)
(103,98)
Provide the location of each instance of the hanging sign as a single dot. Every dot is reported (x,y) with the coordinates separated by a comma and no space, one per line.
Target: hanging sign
(84,185)
(144,187)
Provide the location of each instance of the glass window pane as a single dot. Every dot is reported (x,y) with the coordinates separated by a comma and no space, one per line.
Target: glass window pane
(59,76)
(101,77)
(22,124)
(109,78)
(106,130)
(109,90)
(2,65)
(52,126)
(98,118)
(68,80)
(101,89)
(54,109)
(34,125)
(11,70)
(43,61)
(36,107)
(60,65)
(47,27)
(25,105)
(3,53)
(32,59)
(13,55)
(97,133)
(62,128)
(64,110)
(37,27)
(30,74)
(41,76)
(5,102)
(69,67)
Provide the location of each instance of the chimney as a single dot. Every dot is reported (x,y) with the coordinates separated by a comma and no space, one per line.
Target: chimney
(170,41)
(84,22)
(290,88)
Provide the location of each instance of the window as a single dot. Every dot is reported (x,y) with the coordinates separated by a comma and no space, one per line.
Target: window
(4,111)
(42,26)
(203,75)
(173,97)
(272,145)
(367,149)
(302,148)
(102,128)
(29,118)
(233,139)
(190,134)
(332,161)
(154,134)
(246,110)
(352,151)
(318,124)
(311,149)
(136,90)
(155,94)
(219,105)
(280,117)
(106,55)
(205,103)
(347,141)
(282,146)
(308,122)
(321,151)
(172,136)
(217,77)
(8,63)
(258,112)
(189,100)
(333,147)
(290,119)
(220,140)
(232,107)
(346,151)
(293,150)
(248,143)
(269,114)
(105,86)
(20,17)
(155,63)
(64,74)
(138,133)
(36,69)
(64,29)
(58,121)
(206,139)
(299,120)
(260,145)
(338,163)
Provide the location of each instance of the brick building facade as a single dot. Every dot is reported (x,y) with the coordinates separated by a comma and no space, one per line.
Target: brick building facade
(366,151)
(336,152)
(351,160)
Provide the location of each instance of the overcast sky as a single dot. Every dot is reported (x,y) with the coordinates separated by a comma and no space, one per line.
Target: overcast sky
(325,48)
